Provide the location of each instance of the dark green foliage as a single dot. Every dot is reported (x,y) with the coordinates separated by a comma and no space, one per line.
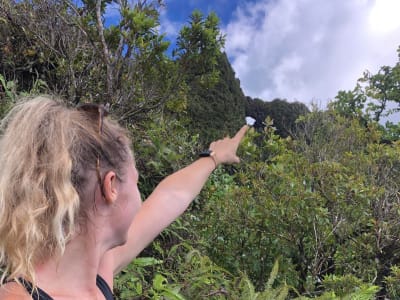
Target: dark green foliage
(325,201)
(215,104)
(161,147)
(283,114)
(7,94)
(392,282)
(198,49)
(218,110)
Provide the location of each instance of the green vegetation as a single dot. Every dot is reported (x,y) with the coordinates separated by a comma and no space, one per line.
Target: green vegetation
(282,112)
(311,212)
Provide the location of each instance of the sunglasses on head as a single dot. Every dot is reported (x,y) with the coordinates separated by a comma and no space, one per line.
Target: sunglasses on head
(97,111)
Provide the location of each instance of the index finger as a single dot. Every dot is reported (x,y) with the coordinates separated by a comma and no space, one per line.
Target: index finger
(241,133)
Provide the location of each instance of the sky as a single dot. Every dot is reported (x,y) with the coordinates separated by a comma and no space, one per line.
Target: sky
(299,50)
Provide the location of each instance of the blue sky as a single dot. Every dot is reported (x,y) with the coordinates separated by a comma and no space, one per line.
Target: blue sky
(299,50)
(179,10)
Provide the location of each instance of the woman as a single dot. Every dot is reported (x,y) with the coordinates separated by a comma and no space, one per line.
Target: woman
(70,210)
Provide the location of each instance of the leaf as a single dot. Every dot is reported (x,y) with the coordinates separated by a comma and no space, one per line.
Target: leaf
(273,274)
(249,291)
(172,295)
(159,282)
(146,261)
(8,86)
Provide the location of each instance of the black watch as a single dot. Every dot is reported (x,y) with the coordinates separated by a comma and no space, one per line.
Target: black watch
(209,153)
(205,153)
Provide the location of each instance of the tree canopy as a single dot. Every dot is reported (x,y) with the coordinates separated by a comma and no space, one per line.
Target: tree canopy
(283,114)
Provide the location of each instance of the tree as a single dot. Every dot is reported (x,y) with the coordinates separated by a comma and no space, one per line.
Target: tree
(199,48)
(217,110)
(283,114)
(68,46)
(374,97)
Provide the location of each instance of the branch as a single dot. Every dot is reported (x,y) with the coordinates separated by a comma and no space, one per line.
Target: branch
(100,28)
(106,52)
(221,291)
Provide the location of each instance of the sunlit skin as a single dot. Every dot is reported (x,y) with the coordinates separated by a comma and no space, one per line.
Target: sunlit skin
(125,197)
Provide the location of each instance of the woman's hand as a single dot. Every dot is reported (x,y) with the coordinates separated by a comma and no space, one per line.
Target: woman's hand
(224,151)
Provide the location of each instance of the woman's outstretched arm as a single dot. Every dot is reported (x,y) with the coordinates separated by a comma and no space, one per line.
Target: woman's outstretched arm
(171,198)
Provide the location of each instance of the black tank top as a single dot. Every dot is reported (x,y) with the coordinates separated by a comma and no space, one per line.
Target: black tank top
(39,294)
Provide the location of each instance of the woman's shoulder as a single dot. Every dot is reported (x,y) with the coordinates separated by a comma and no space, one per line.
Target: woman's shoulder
(13,291)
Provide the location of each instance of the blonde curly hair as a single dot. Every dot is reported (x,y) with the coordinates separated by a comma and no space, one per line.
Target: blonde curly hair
(47,151)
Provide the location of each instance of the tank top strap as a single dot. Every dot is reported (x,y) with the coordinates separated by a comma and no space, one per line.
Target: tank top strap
(36,294)
(39,294)
(104,288)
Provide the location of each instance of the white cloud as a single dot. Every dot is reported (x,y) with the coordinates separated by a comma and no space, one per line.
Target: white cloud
(308,50)
(167,26)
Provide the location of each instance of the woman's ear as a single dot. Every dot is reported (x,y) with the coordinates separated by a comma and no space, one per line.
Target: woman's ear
(110,190)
